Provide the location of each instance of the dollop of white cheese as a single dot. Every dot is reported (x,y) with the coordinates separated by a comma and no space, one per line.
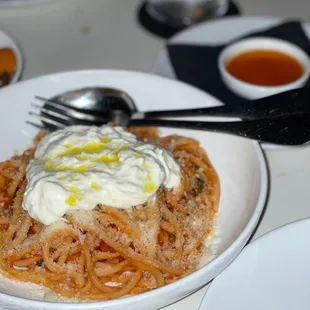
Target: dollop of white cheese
(80,167)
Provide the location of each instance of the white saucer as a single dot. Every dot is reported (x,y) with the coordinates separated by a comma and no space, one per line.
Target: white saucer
(215,33)
(272,273)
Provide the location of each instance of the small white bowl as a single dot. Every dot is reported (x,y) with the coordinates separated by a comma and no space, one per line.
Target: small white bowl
(6,41)
(252,91)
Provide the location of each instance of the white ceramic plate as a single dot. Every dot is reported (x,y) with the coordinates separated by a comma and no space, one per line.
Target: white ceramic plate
(215,33)
(7,41)
(239,163)
(272,273)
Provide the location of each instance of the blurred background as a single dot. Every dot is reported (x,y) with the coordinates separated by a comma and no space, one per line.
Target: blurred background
(57,35)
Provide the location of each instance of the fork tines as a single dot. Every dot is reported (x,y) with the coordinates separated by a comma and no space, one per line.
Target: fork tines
(58,115)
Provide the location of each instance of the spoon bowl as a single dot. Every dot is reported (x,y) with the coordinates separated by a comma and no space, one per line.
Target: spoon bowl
(97,100)
(93,100)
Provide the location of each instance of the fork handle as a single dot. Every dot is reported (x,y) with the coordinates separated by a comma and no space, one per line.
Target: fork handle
(290,102)
(285,130)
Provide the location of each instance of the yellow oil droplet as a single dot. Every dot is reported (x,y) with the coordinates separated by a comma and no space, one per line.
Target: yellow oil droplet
(49,165)
(104,139)
(106,159)
(62,177)
(74,189)
(71,201)
(95,186)
(123,147)
(93,147)
(146,165)
(82,157)
(68,145)
(70,151)
(74,177)
(63,168)
(149,187)
(110,158)
(81,168)
(149,176)
(76,194)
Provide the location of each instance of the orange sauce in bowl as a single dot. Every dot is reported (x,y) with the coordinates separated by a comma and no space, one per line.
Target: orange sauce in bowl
(265,67)
(7,60)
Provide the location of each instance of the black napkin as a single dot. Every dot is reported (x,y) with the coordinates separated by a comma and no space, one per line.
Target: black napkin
(197,64)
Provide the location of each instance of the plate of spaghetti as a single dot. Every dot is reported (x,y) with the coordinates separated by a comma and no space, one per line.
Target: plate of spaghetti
(119,218)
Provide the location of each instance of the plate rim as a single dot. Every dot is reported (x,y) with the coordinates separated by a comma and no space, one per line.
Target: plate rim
(240,241)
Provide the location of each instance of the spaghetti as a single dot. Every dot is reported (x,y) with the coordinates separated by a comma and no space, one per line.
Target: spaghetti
(107,253)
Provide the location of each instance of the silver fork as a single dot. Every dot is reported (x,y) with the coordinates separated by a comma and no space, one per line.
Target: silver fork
(285,130)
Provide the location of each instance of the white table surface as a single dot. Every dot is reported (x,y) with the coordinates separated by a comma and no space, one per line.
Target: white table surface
(80,34)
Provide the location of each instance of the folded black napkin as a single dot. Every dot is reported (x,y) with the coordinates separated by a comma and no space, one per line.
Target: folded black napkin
(197,64)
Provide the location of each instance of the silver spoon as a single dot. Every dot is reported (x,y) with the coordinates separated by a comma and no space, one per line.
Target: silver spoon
(97,100)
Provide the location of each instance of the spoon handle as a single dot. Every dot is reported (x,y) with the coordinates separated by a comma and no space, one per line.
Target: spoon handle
(290,102)
(285,130)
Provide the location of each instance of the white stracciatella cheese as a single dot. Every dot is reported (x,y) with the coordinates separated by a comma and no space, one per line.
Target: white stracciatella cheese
(79,167)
